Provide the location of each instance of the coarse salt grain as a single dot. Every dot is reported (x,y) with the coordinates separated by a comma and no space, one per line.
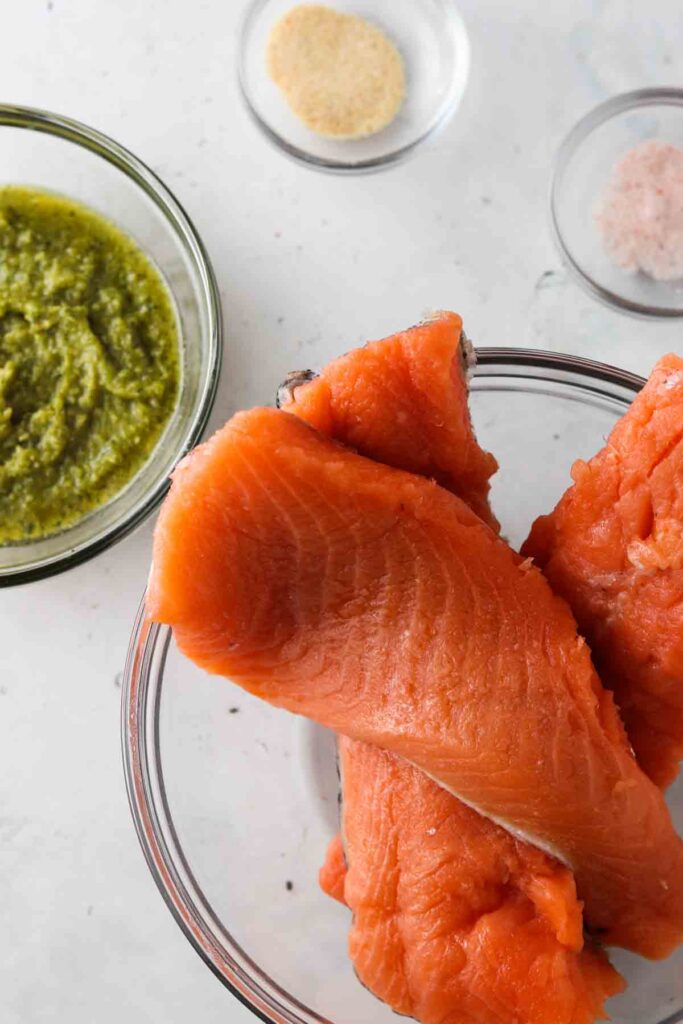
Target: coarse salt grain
(641,214)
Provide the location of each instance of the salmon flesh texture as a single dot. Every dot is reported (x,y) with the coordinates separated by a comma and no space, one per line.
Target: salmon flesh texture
(454,921)
(378,604)
(613,548)
(472,925)
(403,401)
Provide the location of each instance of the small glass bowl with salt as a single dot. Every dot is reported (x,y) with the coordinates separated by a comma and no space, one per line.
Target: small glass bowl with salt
(617,202)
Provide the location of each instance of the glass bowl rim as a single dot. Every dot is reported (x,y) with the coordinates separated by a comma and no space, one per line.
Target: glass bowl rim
(446,110)
(670,96)
(142,759)
(101,145)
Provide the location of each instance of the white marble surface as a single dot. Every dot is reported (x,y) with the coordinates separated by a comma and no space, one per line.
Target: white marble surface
(308,265)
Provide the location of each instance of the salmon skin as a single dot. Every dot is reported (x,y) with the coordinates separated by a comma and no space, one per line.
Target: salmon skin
(378,604)
(454,921)
(441,897)
(613,547)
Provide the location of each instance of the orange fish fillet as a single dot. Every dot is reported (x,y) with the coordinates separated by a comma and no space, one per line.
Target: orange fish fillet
(455,922)
(403,401)
(332,876)
(613,547)
(473,924)
(378,604)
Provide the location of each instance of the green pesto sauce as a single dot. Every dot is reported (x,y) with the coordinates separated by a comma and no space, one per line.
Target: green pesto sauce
(89,362)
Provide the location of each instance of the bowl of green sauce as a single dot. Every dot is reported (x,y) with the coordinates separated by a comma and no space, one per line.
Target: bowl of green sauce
(110,342)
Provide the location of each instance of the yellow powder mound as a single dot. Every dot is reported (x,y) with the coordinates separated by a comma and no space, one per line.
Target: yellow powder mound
(340,74)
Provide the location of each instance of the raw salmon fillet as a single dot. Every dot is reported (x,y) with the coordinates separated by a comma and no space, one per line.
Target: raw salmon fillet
(378,604)
(613,547)
(403,401)
(332,875)
(473,924)
(455,922)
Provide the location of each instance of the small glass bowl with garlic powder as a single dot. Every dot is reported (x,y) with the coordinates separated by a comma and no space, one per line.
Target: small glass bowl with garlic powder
(352,87)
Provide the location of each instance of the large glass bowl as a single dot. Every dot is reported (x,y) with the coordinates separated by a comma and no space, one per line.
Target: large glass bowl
(234,801)
(55,153)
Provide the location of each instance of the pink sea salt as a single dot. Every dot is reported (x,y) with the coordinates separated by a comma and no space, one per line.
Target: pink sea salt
(641,214)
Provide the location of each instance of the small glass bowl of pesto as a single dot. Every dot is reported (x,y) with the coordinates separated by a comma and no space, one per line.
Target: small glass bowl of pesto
(110,342)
